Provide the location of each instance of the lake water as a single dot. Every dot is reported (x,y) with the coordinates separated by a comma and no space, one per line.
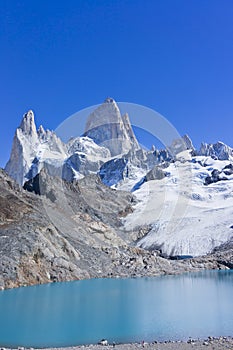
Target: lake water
(120,310)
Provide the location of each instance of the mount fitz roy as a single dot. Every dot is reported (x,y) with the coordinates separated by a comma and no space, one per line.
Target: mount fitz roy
(110,149)
(108,207)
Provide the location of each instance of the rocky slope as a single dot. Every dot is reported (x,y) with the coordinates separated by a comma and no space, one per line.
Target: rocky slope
(44,240)
(70,231)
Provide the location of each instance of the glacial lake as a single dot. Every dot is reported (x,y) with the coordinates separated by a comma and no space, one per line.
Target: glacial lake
(121,310)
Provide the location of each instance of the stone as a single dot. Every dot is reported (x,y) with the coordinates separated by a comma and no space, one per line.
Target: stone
(103,342)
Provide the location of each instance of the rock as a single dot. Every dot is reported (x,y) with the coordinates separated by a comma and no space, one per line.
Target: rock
(107,128)
(156,173)
(216,176)
(103,342)
(228,169)
(134,165)
(114,171)
(217,151)
(28,145)
(179,145)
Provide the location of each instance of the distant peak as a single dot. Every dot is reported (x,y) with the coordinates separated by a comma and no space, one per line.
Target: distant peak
(28,123)
(28,116)
(188,142)
(41,130)
(217,150)
(109,100)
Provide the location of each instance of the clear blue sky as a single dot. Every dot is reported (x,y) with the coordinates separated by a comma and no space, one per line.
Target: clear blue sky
(174,56)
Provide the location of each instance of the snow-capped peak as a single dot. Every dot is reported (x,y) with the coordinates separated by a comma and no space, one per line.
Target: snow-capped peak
(217,150)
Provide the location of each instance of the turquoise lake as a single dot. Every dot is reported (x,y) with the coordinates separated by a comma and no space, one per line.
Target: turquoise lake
(121,310)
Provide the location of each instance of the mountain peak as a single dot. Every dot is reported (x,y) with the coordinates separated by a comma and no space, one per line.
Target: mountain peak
(109,100)
(41,130)
(217,150)
(28,123)
(106,127)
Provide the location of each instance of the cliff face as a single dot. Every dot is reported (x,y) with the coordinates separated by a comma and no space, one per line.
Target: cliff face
(31,147)
(56,236)
(107,128)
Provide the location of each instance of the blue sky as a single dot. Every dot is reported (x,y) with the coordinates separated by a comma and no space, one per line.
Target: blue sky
(174,56)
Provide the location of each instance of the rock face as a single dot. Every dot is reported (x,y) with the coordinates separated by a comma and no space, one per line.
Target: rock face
(86,157)
(215,176)
(107,128)
(179,145)
(217,151)
(30,149)
(129,169)
(23,149)
(57,236)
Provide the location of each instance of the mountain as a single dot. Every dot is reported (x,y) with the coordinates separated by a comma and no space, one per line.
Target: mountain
(106,127)
(216,151)
(59,231)
(31,148)
(107,134)
(183,197)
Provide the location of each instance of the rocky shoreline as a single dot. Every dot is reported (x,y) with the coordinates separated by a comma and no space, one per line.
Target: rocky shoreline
(213,343)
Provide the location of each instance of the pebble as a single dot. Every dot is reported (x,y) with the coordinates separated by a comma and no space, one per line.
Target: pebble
(222,343)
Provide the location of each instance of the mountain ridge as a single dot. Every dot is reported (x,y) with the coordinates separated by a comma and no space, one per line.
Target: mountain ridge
(186,182)
(32,149)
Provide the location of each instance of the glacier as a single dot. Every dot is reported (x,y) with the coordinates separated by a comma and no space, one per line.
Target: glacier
(186,217)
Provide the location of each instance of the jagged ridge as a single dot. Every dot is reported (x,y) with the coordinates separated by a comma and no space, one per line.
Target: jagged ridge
(109,148)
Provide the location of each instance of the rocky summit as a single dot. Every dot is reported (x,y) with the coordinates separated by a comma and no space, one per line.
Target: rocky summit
(102,206)
(108,128)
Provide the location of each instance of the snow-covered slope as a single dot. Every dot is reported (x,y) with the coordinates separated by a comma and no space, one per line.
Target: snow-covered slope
(186,216)
(184,195)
